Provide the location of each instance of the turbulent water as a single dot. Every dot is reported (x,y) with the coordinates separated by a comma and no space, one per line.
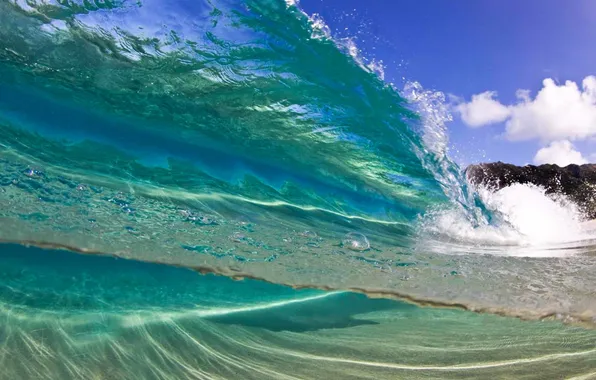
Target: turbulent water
(239,138)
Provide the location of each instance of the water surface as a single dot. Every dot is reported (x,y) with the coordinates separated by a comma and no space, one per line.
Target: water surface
(241,139)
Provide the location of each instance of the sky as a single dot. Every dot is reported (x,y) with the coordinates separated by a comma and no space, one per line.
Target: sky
(519,76)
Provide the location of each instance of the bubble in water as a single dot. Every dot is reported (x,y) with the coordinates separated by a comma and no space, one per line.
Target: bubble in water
(201,220)
(238,237)
(33,173)
(244,223)
(355,241)
(206,221)
(309,234)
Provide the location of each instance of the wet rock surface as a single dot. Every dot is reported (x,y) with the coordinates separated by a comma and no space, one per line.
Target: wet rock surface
(577,182)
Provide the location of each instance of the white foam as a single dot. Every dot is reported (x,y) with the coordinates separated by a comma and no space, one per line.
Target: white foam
(524,217)
(537,217)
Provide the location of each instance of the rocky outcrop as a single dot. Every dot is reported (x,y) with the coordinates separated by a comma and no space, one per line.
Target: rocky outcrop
(577,182)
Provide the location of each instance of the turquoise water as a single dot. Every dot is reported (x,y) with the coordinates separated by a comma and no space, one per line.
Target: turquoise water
(146,146)
(96,317)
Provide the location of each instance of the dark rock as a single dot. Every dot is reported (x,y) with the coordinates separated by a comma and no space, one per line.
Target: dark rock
(577,182)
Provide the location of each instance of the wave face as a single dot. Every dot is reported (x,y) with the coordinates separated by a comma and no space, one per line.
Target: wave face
(240,138)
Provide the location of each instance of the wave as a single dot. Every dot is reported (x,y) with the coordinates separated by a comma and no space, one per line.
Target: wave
(241,138)
(524,216)
(81,316)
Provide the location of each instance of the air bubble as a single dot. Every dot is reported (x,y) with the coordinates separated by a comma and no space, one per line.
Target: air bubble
(201,220)
(355,241)
(238,237)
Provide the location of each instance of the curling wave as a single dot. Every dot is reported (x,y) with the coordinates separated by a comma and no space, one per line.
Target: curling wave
(240,138)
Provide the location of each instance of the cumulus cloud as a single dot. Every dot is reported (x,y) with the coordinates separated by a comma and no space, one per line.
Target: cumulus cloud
(561,153)
(483,110)
(558,112)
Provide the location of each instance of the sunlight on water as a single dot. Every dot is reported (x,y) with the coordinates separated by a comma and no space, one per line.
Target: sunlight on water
(201,143)
(101,317)
(239,138)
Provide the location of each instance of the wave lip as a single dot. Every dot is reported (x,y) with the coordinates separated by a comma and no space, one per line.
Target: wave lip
(525,220)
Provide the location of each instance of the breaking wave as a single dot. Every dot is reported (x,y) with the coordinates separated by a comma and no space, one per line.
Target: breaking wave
(242,139)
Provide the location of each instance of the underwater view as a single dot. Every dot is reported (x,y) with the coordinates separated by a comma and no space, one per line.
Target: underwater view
(220,189)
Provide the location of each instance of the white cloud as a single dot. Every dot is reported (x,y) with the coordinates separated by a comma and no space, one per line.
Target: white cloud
(483,110)
(558,112)
(561,153)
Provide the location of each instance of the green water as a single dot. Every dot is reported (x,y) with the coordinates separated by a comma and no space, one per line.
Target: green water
(92,317)
(162,139)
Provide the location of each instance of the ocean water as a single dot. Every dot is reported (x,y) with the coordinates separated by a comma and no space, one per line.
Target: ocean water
(219,189)
(96,317)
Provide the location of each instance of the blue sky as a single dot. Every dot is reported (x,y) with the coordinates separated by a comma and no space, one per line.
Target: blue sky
(467,47)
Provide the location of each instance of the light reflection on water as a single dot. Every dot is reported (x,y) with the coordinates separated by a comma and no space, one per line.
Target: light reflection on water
(76,316)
